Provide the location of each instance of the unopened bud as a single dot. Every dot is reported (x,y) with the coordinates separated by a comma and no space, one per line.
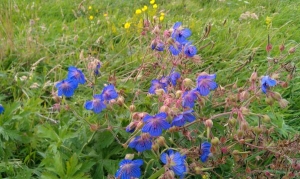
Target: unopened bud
(215,141)
(244,125)
(269,100)
(224,150)
(269,47)
(244,110)
(173,129)
(132,108)
(155,147)
(283,103)
(129,156)
(276,96)
(94,127)
(281,47)
(292,50)
(253,76)
(257,130)
(244,95)
(240,133)
(223,140)
(198,170)
(187,82)
(209,123)
(139,125)
(235,152)
(161,141)
(266,119)
(159,92)
(120,100)
(178,93)
(232,122)
(142,115)
(164,109)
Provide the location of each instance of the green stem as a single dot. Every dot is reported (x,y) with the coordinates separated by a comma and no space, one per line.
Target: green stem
(158,173)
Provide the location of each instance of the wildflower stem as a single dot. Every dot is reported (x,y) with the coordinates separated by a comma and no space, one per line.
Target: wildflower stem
(85,144)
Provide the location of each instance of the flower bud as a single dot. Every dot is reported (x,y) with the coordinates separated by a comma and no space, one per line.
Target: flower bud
(292,50)
(159,92)
(266,119)
(161,141)
(281,47)
(94,127)
(178,93)
(269,47)
(120,100)
(235,152)
(215,141)
(232,121)
(269,100)
(142,115)
(132,108)
(224,150)
(209,123)
(276,96)
(244,125)
(139,125)
(244,110)
(283,103)
(257,130)
(244,95)
(253,76)
(223,140)
(155,147)
(129,156)
(188,83)
(164,109)
(240,133)
(167,34)
(198,170)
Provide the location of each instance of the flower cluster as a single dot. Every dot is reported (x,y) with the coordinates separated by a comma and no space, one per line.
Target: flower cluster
(99,101)
(67,86)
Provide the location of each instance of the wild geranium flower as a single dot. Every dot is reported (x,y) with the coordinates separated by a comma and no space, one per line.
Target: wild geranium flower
(205,83)
(155,124)
(205,151)
(66,87)
(76,74)
(129,169)
(189,97)
(157,45)
(180,34)
(180,119)
(174,76)
(175,161)
(175,48)
(190,50)
(155,85)
(96,105)
(109,93)
(267,82)
(1,109)
(141,143)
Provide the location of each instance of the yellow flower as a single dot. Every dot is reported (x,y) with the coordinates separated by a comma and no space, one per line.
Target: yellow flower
(91,17)
(268,20)
(152,1)
(138,11)
(161,18)
(162,14)
(90,7)
(105,14)
(144,8)
(154,6)
(127,25)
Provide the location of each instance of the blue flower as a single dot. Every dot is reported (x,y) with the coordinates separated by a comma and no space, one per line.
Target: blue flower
(76,74)
(205,151)
(175,161)
(190,50)
(66,87)
(155,124)
(189,97)
(129,169)
(175,49)
(174,76)
(96,105)
(109,93)
(180,34)
(1,109)
(141,143)
(205,83)
(157,45)
(180,119)
(266,82)
(96,70)
(157,84)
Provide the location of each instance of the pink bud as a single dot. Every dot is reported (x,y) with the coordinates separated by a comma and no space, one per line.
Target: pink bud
(269,48)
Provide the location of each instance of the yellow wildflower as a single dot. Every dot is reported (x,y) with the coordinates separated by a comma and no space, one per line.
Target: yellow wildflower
(154,6)
(144,8)
(138,11)
(161,18)
(90,7)
(105,14)
(162,14)
(91,17)
(152,1)
(268,21)
(127,25)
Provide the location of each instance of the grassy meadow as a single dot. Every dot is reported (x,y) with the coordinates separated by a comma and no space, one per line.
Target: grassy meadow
(46,136)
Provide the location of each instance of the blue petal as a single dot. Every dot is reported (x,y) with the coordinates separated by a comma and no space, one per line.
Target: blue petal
(1,109)
(163,158)
(161,115)
(203,90)
(179,169)
(165,125)
(138,162)
(177,25)
(98,106)
(178,121)
(88,105)
(186,32)
(271,82)
(189,117)
(212,85)
(204,157)
(147,117)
